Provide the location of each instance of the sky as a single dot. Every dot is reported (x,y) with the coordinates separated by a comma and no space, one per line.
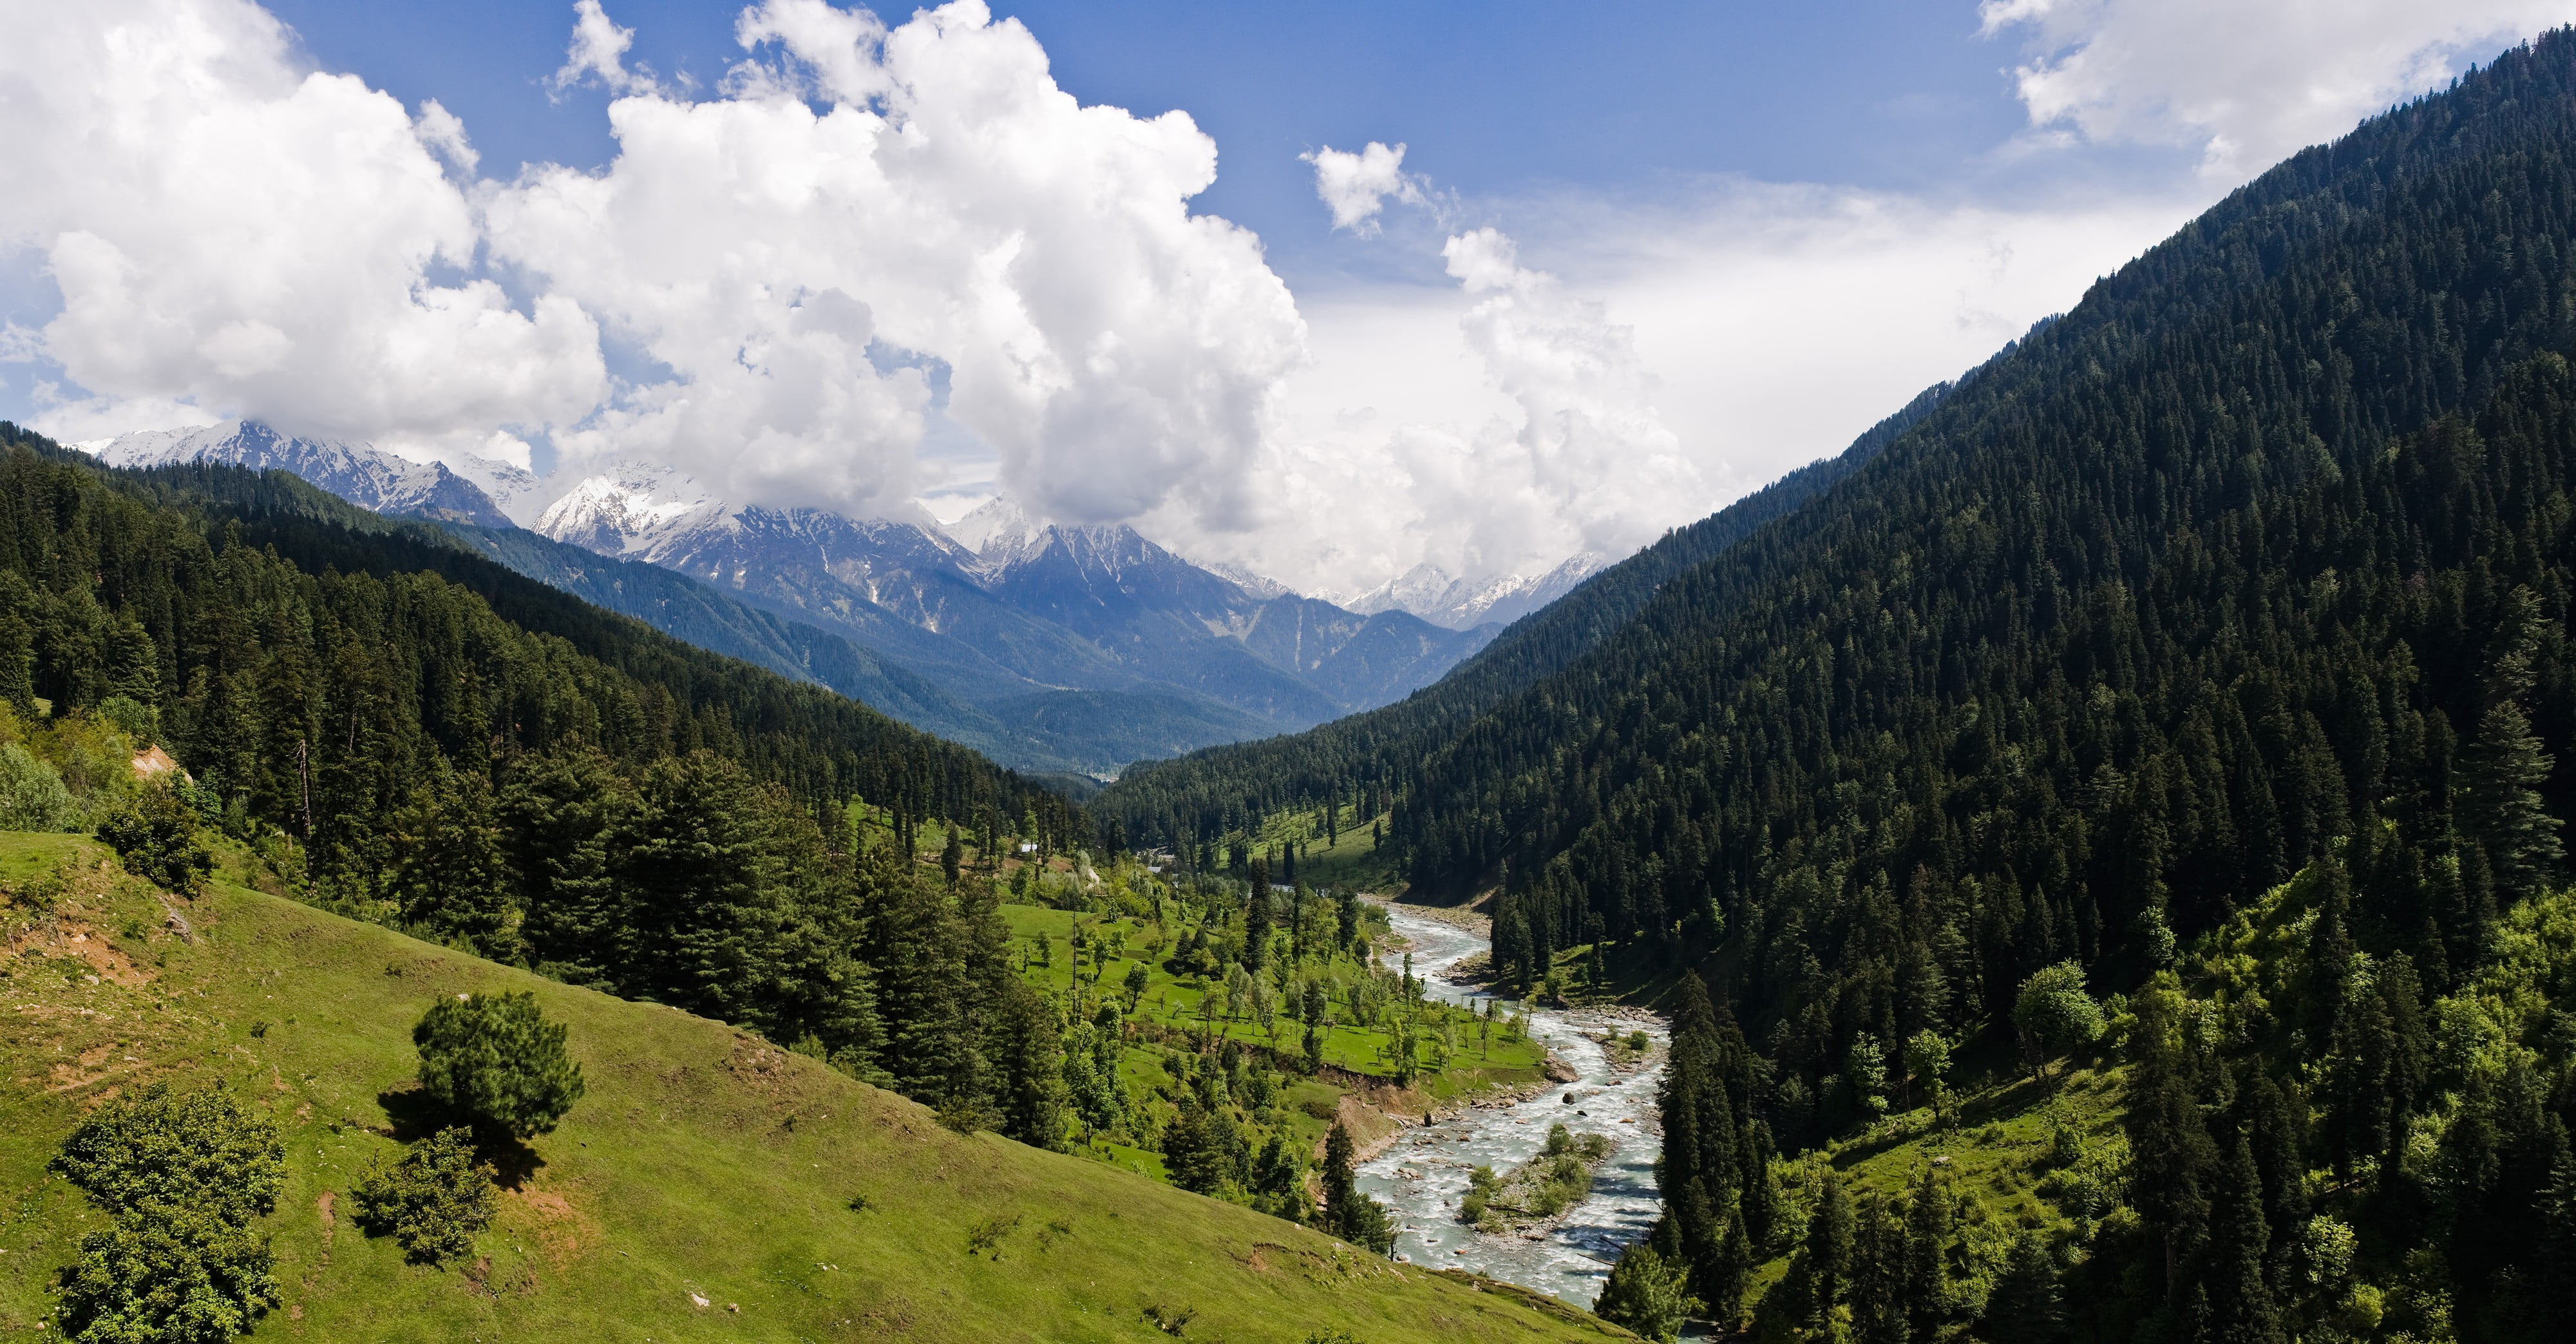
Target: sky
(1329,290)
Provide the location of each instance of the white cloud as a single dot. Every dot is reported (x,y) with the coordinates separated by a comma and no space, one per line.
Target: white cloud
(2244,83)
(1355,187)
(597,55)
(444,133)
(947,202)
(234,234)
(1541,440)
(1780,322)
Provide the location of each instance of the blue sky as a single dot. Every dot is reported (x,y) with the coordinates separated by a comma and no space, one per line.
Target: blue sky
(1636,258)
(1495,100)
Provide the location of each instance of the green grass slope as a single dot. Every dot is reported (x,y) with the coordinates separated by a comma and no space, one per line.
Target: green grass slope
(702,1164)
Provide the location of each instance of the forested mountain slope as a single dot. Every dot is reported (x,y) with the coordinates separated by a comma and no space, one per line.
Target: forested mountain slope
(307,660)
(2256,564)
(1205,795)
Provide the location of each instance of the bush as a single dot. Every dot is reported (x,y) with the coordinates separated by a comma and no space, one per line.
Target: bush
(183,1277)
(1645,1294)
(432,1200)
(131,717)
(161,1151)
(182,1176)
(496,1059)
(155,830)
(32,794)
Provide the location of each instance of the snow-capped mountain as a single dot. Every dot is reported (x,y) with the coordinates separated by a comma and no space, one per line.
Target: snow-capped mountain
(1004,628)
(1430,593)
(1057,605)
(363,475)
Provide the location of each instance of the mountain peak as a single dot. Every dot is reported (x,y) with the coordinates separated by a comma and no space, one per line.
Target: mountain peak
(359,473)
(1435,595)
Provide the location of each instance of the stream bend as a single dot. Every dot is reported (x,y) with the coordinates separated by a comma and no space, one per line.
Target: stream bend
(1423,1175)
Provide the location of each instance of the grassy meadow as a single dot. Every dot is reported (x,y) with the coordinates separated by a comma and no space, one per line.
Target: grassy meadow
(708,1187)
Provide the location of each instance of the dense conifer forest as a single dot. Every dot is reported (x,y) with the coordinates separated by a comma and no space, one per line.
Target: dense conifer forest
(2189,691)
(407,733)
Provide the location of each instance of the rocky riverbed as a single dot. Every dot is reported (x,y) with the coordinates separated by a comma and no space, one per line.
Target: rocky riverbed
(1422,1175)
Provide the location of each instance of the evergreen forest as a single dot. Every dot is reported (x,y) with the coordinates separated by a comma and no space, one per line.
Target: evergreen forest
(2181,701)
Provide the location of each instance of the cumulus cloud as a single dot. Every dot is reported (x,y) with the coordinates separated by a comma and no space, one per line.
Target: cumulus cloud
(1547,443)
(1781,320)
(864,203)
(598,55)
(234,233)
(2245,84)
(1355,187)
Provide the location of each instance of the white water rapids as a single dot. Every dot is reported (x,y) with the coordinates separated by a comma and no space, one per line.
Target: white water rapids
(1422,1177)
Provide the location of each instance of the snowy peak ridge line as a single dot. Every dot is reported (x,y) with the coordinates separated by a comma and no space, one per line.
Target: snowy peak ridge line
(365,476)
(1430,593)
(646,511)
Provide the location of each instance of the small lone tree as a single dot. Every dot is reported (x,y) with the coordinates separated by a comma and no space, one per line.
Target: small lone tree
(1927,1056)
(433,1200)
(2054,1013)
(495,1058)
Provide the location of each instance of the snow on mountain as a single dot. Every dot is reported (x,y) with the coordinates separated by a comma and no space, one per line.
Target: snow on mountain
(1430,593)
(363,475)
(632,511)
(1259,585)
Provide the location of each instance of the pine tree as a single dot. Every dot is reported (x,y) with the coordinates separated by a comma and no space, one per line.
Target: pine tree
(2242,1307)
(1829,1249)
(2499,802)
(1348,1213)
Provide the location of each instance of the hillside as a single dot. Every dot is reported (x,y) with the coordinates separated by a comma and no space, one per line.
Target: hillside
(1059,649)
(1227,793)
(2242,587)
(702,1161)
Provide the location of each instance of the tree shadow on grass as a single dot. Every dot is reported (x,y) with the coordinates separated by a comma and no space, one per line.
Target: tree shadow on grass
(414,1114)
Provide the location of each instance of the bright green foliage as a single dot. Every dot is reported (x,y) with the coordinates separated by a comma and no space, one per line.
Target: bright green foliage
(185,1277)
(495,1059)
(182,1175)
(698,1159)
(32,795)
(2053,1011)
(1927,1061)
(156,831)
(1545,1186)
(164,1150)
(432,1200)
(1645,1294)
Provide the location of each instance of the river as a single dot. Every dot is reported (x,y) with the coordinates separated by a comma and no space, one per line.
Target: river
(1422,1177)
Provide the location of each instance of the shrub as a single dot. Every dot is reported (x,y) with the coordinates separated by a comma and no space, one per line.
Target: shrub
(495,1058)
(162,1151)
(1645,1294)
(182,1176)
(32,794)
(432,1200)
(131,717)
(156,833)
(183,1277)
